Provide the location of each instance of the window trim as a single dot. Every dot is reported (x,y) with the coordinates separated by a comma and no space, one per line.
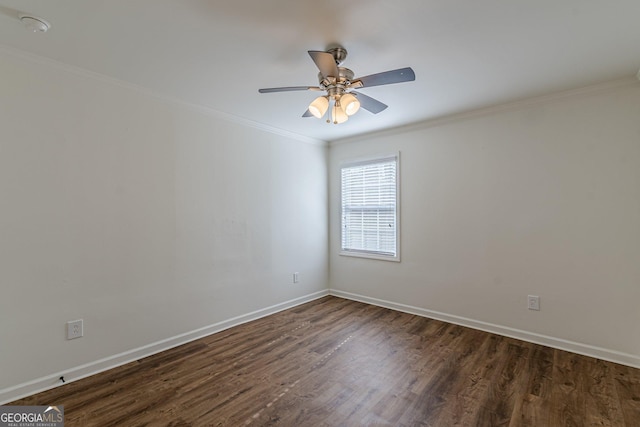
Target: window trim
(368,254)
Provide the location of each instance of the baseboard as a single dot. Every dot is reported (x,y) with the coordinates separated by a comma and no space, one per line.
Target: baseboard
(574,347)
(51,381)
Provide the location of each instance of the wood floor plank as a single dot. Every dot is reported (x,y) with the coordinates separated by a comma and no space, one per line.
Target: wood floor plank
(603,407)
(507,384)
(568,401)
(627,384)
(335,362)
(534,403)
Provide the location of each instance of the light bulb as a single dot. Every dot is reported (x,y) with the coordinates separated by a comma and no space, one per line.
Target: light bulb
(349,104)
(319,106)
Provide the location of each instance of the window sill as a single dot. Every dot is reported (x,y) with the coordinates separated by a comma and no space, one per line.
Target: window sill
(370,256)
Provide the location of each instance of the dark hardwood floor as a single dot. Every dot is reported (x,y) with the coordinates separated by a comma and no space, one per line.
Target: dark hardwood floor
(335,362)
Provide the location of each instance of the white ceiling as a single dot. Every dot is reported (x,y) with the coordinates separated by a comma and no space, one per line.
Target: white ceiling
(466,53)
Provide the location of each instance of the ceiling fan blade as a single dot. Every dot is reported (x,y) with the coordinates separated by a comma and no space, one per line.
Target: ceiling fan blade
(386,78)
(307,113)
(369,103)
(287,89)
(325,63)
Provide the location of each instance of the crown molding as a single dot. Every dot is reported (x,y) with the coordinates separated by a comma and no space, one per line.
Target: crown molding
(608,86)
(201,109)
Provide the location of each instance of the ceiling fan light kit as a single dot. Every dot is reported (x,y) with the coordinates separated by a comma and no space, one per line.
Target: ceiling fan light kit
(349,104)
(339,84)
(337,114)
(319,106)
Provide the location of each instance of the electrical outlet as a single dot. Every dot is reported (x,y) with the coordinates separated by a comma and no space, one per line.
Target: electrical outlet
(533,302)
(296,277)
(75,329)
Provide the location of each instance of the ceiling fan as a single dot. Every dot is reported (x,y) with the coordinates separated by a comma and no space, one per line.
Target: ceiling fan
(339,84)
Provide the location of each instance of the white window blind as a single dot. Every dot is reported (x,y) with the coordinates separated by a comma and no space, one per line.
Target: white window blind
(369,208)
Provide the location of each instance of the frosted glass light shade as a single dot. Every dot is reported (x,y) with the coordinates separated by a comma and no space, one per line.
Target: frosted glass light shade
(319,106)
(349,104)
(338,115)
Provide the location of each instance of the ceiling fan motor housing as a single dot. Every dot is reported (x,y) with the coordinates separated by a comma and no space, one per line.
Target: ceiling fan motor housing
(336,86)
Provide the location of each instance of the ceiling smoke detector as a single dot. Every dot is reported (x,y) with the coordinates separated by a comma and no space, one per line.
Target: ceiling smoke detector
(35,24)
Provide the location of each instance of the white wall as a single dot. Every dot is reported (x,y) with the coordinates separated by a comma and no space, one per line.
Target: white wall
(146,218)
(541,198)
(150,219)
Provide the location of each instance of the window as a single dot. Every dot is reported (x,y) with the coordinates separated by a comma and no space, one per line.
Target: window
(369,192)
